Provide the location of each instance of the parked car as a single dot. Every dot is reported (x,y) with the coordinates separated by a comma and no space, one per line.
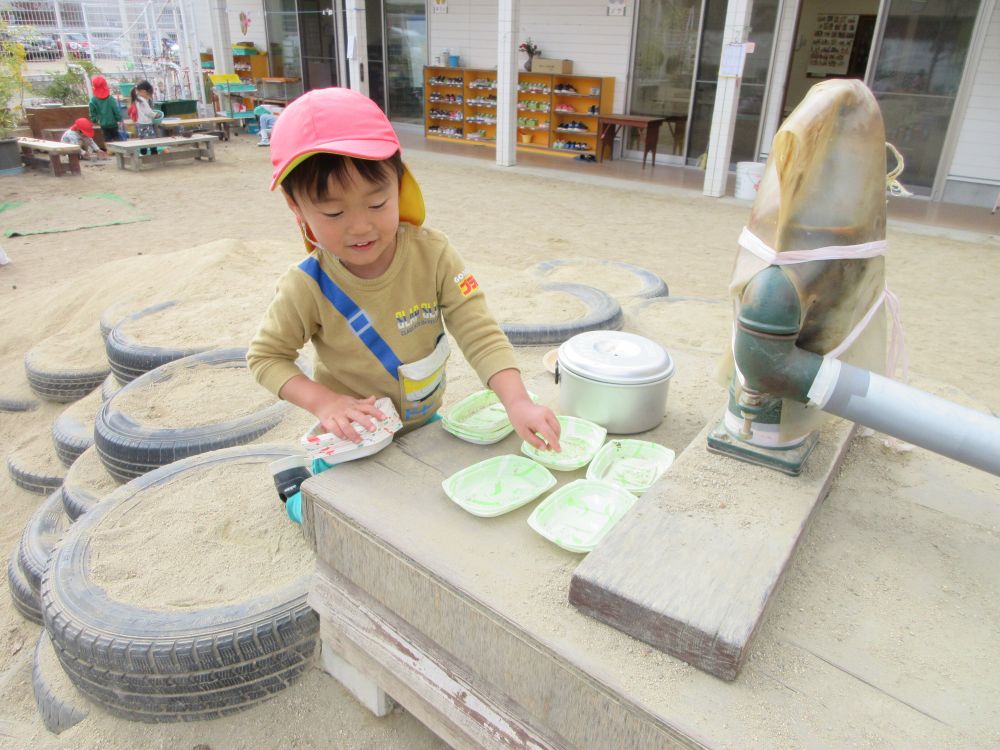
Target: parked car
(35,46)
(41,48)
(76,44)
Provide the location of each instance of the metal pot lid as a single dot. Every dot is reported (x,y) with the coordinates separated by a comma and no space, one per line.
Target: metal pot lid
(616,357)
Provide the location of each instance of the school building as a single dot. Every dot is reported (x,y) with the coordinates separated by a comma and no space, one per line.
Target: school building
(934,65)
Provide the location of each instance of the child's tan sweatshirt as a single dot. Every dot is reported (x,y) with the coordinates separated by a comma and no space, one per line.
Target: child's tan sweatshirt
(426,288)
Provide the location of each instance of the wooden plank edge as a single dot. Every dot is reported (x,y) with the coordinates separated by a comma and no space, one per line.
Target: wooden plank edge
(421,677)
(706,651)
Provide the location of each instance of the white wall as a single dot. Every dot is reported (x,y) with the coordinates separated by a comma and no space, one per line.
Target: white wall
(977,156)
(203,23)
(577,30)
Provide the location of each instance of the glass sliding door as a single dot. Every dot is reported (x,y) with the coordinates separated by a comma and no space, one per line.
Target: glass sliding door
(318,32)
(282,22)
(397,53)
(665,49)
(921,56)
(763,19)
(406,55)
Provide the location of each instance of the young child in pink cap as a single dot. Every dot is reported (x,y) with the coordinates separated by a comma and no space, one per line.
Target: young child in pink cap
(377,289)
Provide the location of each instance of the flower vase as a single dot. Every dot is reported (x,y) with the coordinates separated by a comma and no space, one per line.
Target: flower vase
(527,63)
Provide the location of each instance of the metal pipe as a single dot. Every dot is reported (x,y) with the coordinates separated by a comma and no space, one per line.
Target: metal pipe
(909,414)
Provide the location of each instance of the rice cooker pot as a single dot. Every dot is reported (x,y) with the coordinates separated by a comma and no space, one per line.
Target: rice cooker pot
(618,380)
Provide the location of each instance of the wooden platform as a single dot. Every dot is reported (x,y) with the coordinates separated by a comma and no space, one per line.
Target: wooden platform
(43,154)
(172,148)
(460,618)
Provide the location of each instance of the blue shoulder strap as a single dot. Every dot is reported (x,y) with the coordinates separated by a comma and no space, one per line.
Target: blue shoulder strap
(354,315)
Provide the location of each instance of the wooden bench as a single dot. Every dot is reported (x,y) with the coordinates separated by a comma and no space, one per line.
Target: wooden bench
(39,154)
(168,149)
(219,125)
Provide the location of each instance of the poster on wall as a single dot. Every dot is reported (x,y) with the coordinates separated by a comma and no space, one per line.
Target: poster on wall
(440,6)
(832,42)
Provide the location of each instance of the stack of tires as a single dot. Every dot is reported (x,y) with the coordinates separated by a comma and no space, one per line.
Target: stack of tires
(142,663)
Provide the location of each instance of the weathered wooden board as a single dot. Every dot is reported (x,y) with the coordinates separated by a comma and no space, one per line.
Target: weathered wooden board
(692,569)
(464,711)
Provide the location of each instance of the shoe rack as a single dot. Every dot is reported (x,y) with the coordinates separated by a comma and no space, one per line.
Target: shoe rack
(556,113)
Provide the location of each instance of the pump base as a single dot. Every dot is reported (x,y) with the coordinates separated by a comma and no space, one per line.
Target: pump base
(786,460)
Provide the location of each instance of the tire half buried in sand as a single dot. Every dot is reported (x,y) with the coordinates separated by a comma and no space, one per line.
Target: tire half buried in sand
(183,595)
(175,411)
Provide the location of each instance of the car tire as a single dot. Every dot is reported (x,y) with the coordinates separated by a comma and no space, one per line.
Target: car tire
(78,496)
(603,313)
(59,708)
(110,387)
(129,358)
(26,600)
(40,536)
(652,284)
(129,449)
(71,438)
(157,665)
(18,404)
(38,482)
(62,385)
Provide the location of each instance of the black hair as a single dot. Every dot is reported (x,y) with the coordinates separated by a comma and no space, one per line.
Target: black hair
(143,86)
(312,176)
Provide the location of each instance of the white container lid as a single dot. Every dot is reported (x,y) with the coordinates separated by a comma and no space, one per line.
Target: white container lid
(616,357)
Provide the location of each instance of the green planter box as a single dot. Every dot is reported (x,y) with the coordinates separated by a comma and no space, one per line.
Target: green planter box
(175,107)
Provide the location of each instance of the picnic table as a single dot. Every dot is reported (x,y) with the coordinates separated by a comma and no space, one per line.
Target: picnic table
(36,152)
(219,125)
(162,150)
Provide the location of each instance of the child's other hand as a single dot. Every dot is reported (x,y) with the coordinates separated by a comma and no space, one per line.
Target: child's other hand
(535,423)
(338,412)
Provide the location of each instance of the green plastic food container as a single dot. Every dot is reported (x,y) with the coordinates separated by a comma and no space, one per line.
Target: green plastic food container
(498,485)
(579,440)
(578,515)
(633,464)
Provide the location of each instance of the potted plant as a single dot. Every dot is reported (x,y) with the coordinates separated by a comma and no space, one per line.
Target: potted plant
(531,49)
(11,89)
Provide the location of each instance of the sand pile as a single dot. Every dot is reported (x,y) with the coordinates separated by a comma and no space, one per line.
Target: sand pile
(88,473)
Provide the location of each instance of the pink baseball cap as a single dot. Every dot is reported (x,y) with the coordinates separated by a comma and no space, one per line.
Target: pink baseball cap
(340,121)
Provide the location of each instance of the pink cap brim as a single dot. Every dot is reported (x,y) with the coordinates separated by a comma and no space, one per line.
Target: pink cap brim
(375,150)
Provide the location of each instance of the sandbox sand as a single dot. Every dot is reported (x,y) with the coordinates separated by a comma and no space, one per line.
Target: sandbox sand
(233,555)
(218,235)
(195,396)
(88,473)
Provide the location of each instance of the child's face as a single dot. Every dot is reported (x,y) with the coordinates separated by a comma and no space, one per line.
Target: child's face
(357,222)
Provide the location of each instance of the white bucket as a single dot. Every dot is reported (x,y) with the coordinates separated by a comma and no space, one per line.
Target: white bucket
(748,177)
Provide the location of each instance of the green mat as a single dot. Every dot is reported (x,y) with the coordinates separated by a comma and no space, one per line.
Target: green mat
(66,214)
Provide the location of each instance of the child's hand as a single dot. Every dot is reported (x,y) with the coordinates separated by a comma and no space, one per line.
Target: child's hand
(337,413)
(535,423)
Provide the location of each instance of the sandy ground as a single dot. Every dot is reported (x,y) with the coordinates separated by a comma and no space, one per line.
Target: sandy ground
(217,234)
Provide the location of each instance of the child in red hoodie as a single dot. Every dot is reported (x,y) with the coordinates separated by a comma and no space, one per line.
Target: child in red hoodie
(104,109)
